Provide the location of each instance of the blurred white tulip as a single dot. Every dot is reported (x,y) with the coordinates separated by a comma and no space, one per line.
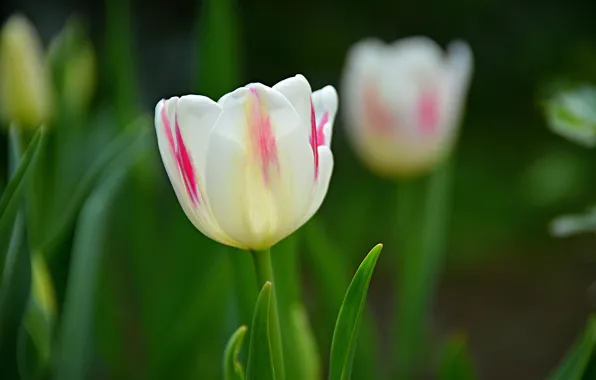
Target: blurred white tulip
(402,102)
(253,167)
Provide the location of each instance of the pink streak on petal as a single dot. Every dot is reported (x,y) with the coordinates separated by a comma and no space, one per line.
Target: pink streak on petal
(320,135)
(181,155)
(185,165)
(380,119)
(261,132)
(314,143)
(428,112)
(168,127)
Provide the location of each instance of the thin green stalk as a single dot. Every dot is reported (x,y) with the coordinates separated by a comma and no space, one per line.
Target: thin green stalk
(422,222)
(120,55)
(264,270)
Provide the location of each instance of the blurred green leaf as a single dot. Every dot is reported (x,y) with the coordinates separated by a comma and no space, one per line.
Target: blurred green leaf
(260,358)
(219,52)
(13,194)
(232,367)
(13,296)
(456,363)
(571,113)
(345,335)
(36,332)
(575,364)
(305,346)
(120,149)
(75,339)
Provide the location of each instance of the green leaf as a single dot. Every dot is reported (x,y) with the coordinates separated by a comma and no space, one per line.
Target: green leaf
(260,359)
(331,272)
(576,363)
(571,113)
(120,149)
(218,49)
(304,345)
(456,363)
(348,321)
(76,334)
(12,196)
(14,293)
(232,367)
(36,333)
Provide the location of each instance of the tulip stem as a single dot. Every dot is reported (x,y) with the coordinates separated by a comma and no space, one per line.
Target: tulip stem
(264,271)
(423,206)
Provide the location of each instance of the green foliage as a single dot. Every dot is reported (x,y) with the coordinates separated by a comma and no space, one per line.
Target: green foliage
(456,363)
(345,335)
(232,368)
(12,195)
(305,350)
(260,357)
(76,332)
(577,362)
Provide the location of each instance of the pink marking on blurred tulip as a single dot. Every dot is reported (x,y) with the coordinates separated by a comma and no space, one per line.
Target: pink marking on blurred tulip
(181,155)
(262,137)
(185,165)
(314,142)
(380,119)
(428,112)
(320,135)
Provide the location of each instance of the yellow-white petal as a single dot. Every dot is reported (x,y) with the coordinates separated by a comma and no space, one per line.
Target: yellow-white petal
(260,167)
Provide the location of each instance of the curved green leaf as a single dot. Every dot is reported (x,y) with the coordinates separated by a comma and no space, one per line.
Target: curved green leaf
(260,359)
(232,367)
(348,320)
(11,198)
(120,149)
(75,337)
(456,363)
(576,362)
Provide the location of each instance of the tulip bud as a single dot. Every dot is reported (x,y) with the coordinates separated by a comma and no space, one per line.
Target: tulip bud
(253,167)
(25,92)
(73,62)
(402,102)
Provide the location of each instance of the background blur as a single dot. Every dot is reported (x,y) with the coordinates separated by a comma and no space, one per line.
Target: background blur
(165,304)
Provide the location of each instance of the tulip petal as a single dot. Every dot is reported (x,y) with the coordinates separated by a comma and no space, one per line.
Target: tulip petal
(325,103)
(167,142)
(322,185)
(259,167)
(297,90)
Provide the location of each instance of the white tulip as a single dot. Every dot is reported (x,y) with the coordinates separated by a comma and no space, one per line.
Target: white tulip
(253,167)
(402,102)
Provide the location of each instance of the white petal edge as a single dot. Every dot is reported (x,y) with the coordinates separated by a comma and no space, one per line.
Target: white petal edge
(173,172)
(322,184)
(298,92)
